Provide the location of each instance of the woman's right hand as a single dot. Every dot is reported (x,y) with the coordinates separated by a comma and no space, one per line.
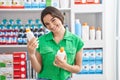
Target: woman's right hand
(31,46)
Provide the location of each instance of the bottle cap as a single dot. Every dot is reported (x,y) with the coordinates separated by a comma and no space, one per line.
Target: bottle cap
(98,29)
(77,21)
(61,49)
(27,29)
(92,27)
(84,24)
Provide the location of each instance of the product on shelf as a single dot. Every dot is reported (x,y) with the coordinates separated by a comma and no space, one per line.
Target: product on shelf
(86,1)
(17,4)
(98,33)
(5,4)
(92,33)
(19,64)
(85,31)
(79,1)
(78,28)
(64,3)
(92,61)
(55,3)
(6,66)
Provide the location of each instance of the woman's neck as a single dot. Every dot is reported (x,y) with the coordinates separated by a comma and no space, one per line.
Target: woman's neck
(59,36)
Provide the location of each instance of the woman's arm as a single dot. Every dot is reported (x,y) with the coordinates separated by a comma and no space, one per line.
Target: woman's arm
(36,62)
(78,64)
(71,68)
(34,56)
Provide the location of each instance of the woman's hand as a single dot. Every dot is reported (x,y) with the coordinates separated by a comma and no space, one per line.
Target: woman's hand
(59,62)
(31,46)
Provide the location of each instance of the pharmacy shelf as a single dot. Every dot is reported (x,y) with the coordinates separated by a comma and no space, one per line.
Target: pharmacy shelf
(88,44)
(75,11)
(90,8)
(12,48)
(118,38)
(88,77)
(32,9)
(94,44)
(19,46)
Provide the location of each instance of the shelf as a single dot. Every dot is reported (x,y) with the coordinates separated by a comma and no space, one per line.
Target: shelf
(88,44)
(32,9)
(118,38)
(13,46)
(94,44)
(92,8)
(88,77)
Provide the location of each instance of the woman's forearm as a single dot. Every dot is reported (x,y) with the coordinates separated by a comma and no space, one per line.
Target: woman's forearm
(72,68)
(35,63)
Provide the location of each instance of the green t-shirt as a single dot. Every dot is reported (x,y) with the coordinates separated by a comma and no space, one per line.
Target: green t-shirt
(48,49)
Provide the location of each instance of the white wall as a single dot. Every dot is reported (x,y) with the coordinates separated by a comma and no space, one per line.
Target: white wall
(110,39)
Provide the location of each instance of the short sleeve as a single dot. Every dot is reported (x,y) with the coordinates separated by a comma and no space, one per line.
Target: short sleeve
(80,44)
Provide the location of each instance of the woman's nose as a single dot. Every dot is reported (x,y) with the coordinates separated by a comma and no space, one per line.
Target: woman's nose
(51,25)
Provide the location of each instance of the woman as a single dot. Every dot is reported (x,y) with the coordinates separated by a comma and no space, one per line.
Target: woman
(44,57)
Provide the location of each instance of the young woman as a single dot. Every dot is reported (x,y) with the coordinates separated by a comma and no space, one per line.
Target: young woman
(44,57)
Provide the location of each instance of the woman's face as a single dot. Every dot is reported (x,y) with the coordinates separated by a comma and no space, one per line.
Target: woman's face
(52,23)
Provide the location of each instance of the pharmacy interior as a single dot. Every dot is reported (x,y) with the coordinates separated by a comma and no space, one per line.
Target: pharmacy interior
(94,21)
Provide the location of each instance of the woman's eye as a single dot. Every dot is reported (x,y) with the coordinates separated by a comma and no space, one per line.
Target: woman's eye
(53,20)
(47,24)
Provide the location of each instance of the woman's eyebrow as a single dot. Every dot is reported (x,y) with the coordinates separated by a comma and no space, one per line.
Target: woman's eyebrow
(52,18)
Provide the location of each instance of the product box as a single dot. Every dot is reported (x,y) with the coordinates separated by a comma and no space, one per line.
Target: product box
(42,3)
(93,1)
(92,67)
(20,65)
(99,67)
(6,73)
(18,56)
(48,2)
(35,3)
(79,1)
(19,75)
(6,60)
(99,54)
(27,3)
(5,3)
(85,67)
(55,3)
(92,54)
(85,55)
(18,4)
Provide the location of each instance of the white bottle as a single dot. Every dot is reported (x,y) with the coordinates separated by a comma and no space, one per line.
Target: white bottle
(61,53)
(55,3)
(64,3)
(92,33)
(85,31)
(98,33)
(29,34)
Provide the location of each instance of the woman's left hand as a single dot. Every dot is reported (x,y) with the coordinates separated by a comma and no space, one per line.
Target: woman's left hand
(59,62)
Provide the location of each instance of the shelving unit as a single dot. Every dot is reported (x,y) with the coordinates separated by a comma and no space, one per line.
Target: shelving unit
(91,13)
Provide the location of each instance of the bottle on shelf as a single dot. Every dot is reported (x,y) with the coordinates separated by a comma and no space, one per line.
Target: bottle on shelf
(78,27)
(98,33)
(64,3)
(85,31)
(92,33)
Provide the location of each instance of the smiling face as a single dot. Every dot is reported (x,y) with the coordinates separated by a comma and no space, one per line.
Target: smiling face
(52,23)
